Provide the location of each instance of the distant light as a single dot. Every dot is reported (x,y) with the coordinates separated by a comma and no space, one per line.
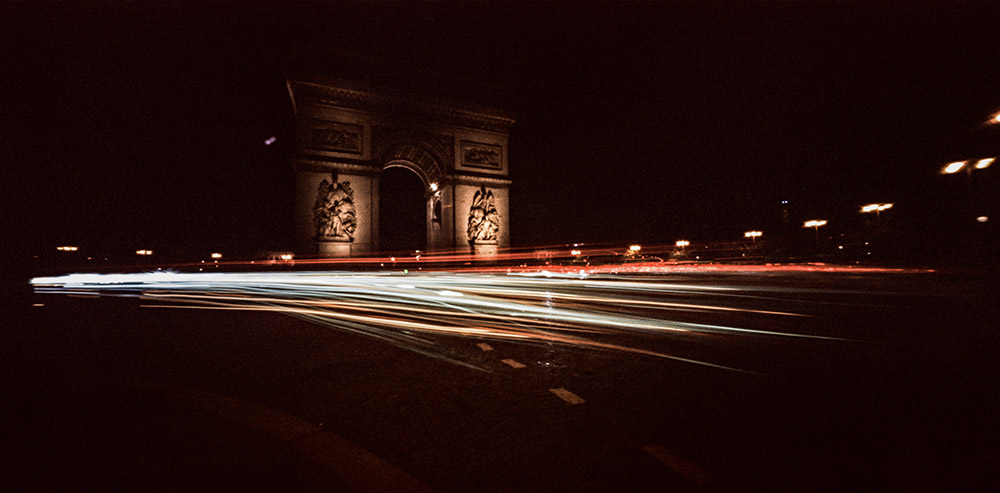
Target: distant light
(753,234)
(270,140)
(143,252)
(286,256)
(434,186)
(634,248)
(216,255)
(575,252)
(815,223)
(67,248)
(784,202)
(984,163)
(682,243)
(982,219)
(954,167)
(996,119)
(875,207)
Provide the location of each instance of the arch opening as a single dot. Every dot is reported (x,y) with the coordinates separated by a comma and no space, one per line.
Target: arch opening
(402,210)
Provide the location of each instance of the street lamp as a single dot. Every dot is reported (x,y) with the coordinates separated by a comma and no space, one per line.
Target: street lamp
(955,167)
(143,252)
(753,235)
(876,208)
(815,224)
(67,248)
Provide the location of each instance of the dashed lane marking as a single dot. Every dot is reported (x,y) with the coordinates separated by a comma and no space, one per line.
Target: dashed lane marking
(567,396)
(691,471)
(512,363)
(484,346)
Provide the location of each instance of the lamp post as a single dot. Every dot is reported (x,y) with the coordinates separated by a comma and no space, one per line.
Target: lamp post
(955,167)
(876,208)
(815,224)
(753,235)
(681,244)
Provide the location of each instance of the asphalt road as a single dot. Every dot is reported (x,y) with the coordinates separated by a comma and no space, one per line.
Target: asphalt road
(894,387)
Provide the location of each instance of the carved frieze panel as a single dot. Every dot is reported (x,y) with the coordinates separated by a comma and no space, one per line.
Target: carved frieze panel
(484,220)
(335,137)
(334,214)
(477,155)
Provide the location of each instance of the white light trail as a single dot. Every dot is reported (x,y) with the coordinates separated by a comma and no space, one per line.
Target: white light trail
(557,308)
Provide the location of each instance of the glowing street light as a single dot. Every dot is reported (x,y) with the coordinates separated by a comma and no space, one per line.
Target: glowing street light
(216,256)
(953,167)
(67,248)
(576,253)
(143,252)
(876,208)
(815,224)
(753,235)
(985,163)
(634,249)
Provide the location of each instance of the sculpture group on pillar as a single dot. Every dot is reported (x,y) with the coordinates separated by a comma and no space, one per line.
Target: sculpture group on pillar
(333,212)
(484,220)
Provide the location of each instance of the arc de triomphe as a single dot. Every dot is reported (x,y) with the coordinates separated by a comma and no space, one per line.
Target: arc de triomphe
(347,134)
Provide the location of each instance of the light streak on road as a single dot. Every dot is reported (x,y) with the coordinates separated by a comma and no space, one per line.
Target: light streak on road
(605,313)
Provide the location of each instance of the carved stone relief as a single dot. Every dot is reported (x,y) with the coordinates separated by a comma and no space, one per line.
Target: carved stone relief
(484,220)
(480,155)
(334,214)
(336,137)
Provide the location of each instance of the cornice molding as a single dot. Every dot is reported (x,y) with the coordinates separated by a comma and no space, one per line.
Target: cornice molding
(305,92)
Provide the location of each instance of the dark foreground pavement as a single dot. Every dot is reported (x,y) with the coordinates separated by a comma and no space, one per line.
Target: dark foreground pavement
(103,394)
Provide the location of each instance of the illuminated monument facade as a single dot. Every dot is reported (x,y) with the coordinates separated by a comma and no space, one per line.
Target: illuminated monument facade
(347,134)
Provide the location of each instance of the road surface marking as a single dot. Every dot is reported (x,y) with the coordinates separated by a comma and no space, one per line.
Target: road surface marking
(691,471)
(512,363)
(567,396)
(484,346)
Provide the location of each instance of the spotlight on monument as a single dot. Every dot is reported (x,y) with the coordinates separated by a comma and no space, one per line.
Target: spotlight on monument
(270,140)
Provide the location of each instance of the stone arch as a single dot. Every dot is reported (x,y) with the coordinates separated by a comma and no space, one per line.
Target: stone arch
(418,153)
(349,135)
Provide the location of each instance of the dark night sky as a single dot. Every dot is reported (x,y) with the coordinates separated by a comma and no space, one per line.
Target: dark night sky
(128,125)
